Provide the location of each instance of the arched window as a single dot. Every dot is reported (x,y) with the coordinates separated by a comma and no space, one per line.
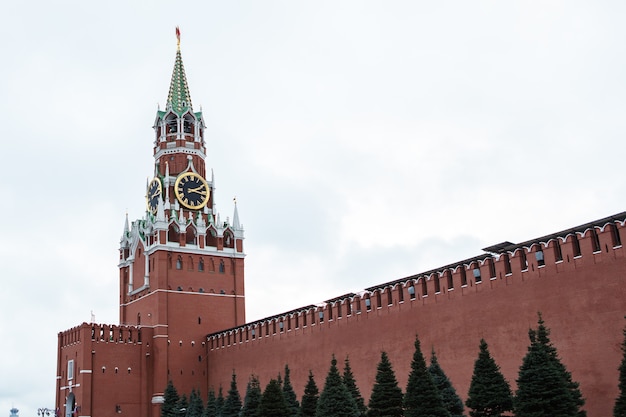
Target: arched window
(179,263)
(201,265)
(190,236)
(173,234)
(424,287)
(222,267)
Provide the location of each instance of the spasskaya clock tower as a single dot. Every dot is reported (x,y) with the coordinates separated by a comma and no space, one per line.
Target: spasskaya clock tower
(181,266)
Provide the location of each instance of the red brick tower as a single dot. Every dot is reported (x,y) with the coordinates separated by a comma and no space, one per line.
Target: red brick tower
(181,267)
(181,277)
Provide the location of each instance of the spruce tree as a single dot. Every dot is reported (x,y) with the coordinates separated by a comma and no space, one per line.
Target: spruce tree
(273,402)
(196,408)
(290,395)
(489,393)
(335,399)
(211,405)
(253,398)
(219,403)
(182,406)
(232,405)
(309,399)
(619,410)
(386,398)
(543,334)
(542,390)
(422,398)
(350,383)
(451,401)
(170,401)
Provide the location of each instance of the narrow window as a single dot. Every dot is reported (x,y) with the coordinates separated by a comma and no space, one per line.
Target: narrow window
(507,264)
(312,317)
(492,268)
(267,328)
(321,314)
(201,265)
(437,285)
(222,267)
(253,334)
(368,303)
(179,263)
(424,287)
(411,291)
(358,305)
(449,279)
(70,369)
(476,272)
(289,322)
(379,303)
(400,293)
(304,319)
(539,257)
(522,259)
(348,307)
(281,326)
(339,312)
(330,311)
(615,237)
(595,240)
(297,320)
(389,297)
(463,277)
(273,326)
(558,255)
(576,246)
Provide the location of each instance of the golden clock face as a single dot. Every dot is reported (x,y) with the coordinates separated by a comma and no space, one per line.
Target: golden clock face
(191,190)
(153,195)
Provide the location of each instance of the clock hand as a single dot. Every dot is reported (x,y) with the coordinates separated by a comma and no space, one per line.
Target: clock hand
(197,190)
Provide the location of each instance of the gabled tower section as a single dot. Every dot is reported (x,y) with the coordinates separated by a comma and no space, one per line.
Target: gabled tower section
(181,268)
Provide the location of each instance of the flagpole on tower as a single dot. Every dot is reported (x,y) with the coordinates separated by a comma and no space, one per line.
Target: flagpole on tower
(177,38)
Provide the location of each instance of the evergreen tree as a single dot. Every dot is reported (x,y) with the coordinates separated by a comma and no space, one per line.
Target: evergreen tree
(232,405)
(273,402)
(310,397)
(290,395)
(335,399)
(422,398)
(542,390)
(219,403)
(489,393)
(386,398)
(620,403)
(182,406)
(451,401)
(543,338)
(170,401)
(196,408)
(211,405)
(253,398)
(350,383)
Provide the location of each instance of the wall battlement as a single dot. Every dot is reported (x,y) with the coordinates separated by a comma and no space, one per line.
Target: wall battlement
(501,265)
(91,332)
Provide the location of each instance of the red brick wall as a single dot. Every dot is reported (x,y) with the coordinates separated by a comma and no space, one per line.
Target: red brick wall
(583,302)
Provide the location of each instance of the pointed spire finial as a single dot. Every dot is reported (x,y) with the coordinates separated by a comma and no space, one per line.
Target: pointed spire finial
(178,97)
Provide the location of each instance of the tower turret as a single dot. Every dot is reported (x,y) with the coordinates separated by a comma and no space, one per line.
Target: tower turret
(181,269)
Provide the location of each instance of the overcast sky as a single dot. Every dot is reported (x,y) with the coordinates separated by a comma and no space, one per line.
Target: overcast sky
(365,141)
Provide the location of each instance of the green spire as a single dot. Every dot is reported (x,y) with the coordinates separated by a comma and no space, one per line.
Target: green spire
(178,98)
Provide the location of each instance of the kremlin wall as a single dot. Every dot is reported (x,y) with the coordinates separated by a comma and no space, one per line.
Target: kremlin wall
(575,278)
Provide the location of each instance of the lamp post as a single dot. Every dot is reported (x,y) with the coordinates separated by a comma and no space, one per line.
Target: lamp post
(45,411)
